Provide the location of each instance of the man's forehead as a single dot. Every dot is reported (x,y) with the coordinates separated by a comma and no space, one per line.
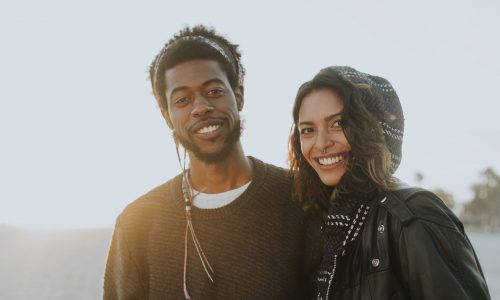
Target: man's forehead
(193,73)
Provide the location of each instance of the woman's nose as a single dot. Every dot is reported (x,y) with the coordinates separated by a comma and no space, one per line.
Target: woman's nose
(323,140)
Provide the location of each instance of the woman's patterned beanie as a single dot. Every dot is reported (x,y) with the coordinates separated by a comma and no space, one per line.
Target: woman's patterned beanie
(385,102)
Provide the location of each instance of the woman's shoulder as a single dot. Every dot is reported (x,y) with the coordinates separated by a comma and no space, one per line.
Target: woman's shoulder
(414,203)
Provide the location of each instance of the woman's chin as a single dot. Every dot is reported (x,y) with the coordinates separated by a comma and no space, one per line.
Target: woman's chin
(331,178)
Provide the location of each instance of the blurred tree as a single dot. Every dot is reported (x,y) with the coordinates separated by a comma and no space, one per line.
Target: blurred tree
(419,177)
(447,198)
(484,209)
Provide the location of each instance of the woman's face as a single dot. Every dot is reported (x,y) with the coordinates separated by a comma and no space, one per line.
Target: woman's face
(322,139)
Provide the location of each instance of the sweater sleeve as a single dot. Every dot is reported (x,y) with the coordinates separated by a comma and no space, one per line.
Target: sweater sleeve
(313,252)
(122,280)
(436,258)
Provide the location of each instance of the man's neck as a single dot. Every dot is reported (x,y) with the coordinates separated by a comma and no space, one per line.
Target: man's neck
(218,177)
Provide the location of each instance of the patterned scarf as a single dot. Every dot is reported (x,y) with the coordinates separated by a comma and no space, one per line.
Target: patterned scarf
(341,227)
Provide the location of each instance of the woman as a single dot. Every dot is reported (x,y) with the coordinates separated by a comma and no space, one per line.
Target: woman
(380,240)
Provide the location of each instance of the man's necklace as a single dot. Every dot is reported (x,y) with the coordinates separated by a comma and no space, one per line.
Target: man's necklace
(187,193)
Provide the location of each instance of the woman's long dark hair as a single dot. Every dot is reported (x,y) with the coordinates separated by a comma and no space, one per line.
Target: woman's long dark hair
(369,165)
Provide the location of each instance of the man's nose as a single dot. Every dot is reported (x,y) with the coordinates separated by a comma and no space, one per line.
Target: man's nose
(201,106)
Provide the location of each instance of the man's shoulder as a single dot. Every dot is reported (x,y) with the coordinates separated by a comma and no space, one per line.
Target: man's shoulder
(277,175)
(273,182)
(156,199)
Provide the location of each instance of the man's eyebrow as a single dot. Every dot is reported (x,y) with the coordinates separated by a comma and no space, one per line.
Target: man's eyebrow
(208,82)
(213,80)
(177,89)
(328,118)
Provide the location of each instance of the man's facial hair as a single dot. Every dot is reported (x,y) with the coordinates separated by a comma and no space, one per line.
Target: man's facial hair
(218,156)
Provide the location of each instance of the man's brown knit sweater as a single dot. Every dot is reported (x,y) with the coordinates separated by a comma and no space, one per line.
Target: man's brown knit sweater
(255,245)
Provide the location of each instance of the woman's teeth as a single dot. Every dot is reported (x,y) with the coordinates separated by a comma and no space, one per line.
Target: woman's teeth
(327,161)
(208,129)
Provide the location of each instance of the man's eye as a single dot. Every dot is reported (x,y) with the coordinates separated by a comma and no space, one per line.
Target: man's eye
(181,100)
(305,131)
(215,92)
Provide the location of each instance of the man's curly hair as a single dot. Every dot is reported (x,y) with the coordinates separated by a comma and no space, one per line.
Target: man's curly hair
(198,42)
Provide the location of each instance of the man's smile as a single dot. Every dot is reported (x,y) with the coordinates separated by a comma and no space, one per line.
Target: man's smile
(208,129)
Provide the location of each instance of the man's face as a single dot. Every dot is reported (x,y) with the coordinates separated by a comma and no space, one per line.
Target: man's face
(203,109)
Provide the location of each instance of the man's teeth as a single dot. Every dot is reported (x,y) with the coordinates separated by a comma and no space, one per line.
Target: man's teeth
(208,129)
(330,160)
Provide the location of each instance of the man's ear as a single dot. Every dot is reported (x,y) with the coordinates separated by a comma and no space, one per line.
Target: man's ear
(165,115)
(240,99)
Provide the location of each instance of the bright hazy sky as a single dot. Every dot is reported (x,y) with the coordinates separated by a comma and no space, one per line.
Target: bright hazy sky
(81,135)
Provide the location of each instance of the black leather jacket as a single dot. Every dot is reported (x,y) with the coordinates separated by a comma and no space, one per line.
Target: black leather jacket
(412,247)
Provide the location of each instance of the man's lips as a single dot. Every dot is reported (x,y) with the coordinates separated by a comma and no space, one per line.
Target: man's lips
(206,126)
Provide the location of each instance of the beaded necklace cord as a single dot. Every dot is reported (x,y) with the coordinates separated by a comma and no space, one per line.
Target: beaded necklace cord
(187,193)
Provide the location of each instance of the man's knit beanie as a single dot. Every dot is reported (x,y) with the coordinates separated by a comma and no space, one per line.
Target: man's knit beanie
(383,100)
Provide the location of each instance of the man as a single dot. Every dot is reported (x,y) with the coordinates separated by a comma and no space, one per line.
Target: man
(225,228)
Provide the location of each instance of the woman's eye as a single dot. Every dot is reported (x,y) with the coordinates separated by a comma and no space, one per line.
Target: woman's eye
(337,124)
(307,130)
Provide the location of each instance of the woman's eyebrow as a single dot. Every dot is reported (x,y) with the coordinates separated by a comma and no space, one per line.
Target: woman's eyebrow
(333,116)
(328,118)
